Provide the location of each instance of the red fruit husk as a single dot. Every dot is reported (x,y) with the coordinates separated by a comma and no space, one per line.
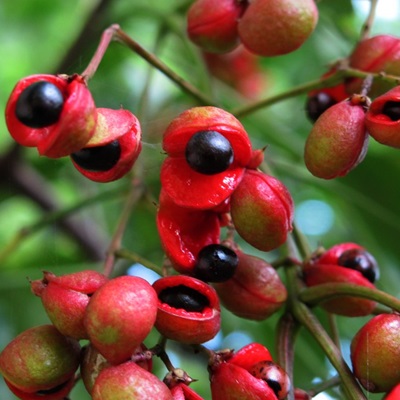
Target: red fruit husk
(40,358)
(375,353)
(65,299)
(119,317)
(259,291)
(379,54)
(338,140)
(249,355)
(262,210)
(189,327)
(379,125)
(184,232)
(394,394)
(212,25)
(76,123)
(276,27)
(112,125)
(58,393)
(184,392)
(185,186)
(331,256)
(344,305)
(129,381)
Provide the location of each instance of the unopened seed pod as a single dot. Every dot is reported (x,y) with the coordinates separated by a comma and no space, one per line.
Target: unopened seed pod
(338,140)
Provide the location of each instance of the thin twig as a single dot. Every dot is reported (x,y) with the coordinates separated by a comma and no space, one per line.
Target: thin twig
(366,28)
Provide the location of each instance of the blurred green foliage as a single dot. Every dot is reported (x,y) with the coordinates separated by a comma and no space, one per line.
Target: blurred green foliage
(36,35)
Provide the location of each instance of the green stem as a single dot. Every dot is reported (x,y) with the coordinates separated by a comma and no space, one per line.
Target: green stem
(316,294)
(158,64)
(131,256)
(286,334)
(366,28)
(305,317)
(325,385)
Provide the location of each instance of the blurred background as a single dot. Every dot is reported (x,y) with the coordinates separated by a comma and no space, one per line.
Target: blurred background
(54,36)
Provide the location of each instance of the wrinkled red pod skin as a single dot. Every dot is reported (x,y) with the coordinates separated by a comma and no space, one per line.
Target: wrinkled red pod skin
(239,69)
(65,299)
(394,394)
(129,381)
(112,125)
(383,129)
(52,394)
(184,392)
(276,27)
(119,317)
(190,327)
(191,189)
(40,358)
(232,380)
(92,363)
(338,140)
(184,232)
(345,305)
(375,353)
(377,54)
(212,25)
(74,127)
(259,291)
(262,210)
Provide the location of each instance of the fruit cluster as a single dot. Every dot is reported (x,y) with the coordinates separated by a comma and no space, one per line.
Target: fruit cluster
(344,120)
(212,183)
(57,114)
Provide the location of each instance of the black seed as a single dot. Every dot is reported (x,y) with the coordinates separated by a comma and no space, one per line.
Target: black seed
(39,105)
(317,104)
(392,110)
(184,297)
(275,386)
(361,261)
(209,152)
(99,158)
(216,263)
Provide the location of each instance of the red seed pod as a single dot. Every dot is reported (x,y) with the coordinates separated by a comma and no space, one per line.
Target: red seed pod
(119,317)
(184,232)
(38,359)
(113,149)
(55,113)
(262,210)
(375,353)
(347,263)
(394,394)
(275,27)
(212,25)
(178,381)
(338,140)
(259,291)
(231,379)
(379,54)
(184,392)
(129,381)
(65,299)
(208,150)
(58,393)
(239,69)
(383,118)
(92,363)
(188,309)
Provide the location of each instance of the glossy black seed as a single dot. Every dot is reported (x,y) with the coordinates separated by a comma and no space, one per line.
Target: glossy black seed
(39,105)
(184,297)
(361,261)
(99,158)
(209,152)
(317,104)
(392,110)
(216,263)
